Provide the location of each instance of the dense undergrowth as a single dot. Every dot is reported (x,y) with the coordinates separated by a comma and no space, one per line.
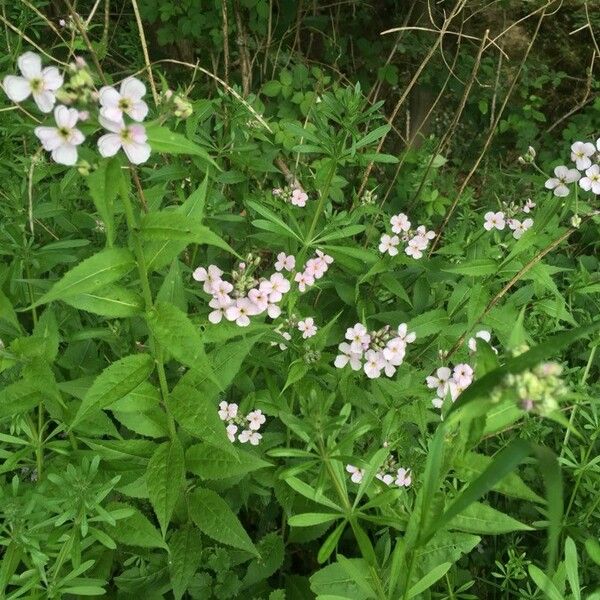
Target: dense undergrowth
(299,300)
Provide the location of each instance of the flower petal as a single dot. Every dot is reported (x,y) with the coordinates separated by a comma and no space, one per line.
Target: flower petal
(137,153)
(53,80)
(16,88)
(109,144)
(133,88)
(138,111)
(30,64)
(65,155)
(49,137)
(44,100)
(110,124)
(108,96)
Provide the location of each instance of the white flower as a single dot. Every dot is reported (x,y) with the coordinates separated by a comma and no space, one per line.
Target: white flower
(518,227)
(415,248)
(221,290)
(41,83)
(328,260)
(132,138)
(374,362)
(210,277)
(358,337)
(285,262)
(227,411)
(591,181)
(279,286)
(62,140)
(389,244)
(127,100)
(231,431)
(400,223)
(528,206)
(394,351)
(440,381)
(437,402)
(404,335)
(580,154)
(494,220)
(307,327)
(220,306)
(348,357)
(260,298)
(483,335)
(250,436)
(463,375)
(241,311)
(403,477)
(255,419)
(356,473)
(299,197)
(304,280)
(563,176)
(386,478)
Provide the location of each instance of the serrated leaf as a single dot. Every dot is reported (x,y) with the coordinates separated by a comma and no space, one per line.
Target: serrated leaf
(213,516)
(484,520)
(210,462)
(185,547)
(115,382)
(165,478)
(135,530)
(18,397)
(271,549)
(97,271)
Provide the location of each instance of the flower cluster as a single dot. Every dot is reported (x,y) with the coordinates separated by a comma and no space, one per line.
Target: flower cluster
(244,298)
(416,241)
(586,157)
(449,381)
(249,425)
(375,352)
(44,85)
(508,216)
(389,474)
(293,195)
(292,323)
(314,269)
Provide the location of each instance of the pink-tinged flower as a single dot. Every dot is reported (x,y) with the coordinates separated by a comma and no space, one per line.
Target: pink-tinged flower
(279,286)
(394,351)
(440,381)
(528,206)
(41,83)
(210,277)
(581,153)
(250,436)
(299,197)
(404,334)
(437,402)
(347,357)
(227,411)
(374,363)
(414,248)
(83,115)
(304,280)
(386,478)
(389,244)
(518,227)
(388,368)
(132,138)
(315,267)
(359,337)
(484,335)
(403,477)
(273,310)
(241,311)
(255,419)
(494,220)
(307,327)
(400,223)
(591,181)
(563,176)
(425,234)
(231,430)
(260,298)
(356,474)
(127,100)
(285,262)
(463,375)
(221,289)
(220,306)
(62,140)
(328,260)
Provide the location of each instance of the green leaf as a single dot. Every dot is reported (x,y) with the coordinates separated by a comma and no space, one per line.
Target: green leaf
(571,568)
(135,530)
(7,312)
(165,478)
(168,225)
(214,518)
(477,267)
(428,580)
(271,88)
(483,519)
(115,382)
(95,272)
(103,190)
(113,301)
(164,141)
(210,462)
(185,547)
(544,583)
(174,331)
(311,519)
(18,397)
(271,550)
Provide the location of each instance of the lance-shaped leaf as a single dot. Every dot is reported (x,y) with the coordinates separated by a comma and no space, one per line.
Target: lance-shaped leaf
(165,141)
(113,301)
